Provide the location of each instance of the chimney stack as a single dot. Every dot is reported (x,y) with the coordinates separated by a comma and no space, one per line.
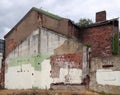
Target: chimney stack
(100,16)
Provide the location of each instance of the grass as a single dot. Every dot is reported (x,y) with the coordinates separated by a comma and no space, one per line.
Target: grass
(102,92)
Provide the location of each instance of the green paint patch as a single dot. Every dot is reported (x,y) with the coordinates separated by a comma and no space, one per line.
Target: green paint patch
(34,60)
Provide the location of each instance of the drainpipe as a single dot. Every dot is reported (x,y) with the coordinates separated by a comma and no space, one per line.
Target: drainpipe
(40,27)
(39,43)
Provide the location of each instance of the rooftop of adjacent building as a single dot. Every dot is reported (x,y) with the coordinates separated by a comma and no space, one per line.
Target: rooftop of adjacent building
(101,19)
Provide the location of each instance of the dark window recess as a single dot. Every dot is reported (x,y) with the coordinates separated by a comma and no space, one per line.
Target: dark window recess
(74,94)
(107,66)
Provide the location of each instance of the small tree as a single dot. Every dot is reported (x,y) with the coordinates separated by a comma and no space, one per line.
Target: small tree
(83,22)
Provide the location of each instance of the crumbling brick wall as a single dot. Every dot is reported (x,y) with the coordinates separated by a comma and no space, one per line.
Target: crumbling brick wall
(73,60)
(32,21)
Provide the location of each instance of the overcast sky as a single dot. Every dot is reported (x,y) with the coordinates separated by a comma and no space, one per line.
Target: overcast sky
(11,11)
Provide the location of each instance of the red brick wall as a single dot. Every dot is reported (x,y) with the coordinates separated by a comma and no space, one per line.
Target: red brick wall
(100,37)
(73,30)
(24,29)
(60,26)
(32,22)
(73,60)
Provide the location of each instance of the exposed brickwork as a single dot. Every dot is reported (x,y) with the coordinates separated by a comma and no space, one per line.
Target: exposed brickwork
(21,32)
(65,61)
(100,38)
(68,55)
(73,30)
(101,16)
(32,21)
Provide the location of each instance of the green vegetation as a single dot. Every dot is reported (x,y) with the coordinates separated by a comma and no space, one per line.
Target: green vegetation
(115,44)
(84,22)
(88,44)
(101,93)
(35,88)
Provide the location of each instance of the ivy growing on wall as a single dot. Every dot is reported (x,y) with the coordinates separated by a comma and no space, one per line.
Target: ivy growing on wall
(115,44)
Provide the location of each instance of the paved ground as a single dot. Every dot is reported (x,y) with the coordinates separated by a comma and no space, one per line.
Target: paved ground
(45,92)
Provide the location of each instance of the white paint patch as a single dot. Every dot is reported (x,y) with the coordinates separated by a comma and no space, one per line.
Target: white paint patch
(42,78)
(72,76)
(19,77)
(24,77)
(108,77)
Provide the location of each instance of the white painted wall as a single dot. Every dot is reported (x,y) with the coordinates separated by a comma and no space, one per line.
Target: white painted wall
(108,77)
(42,78)
(19,77)
(46,80)
(24,76)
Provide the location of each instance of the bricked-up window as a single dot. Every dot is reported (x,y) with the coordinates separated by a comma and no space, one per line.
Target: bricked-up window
(107,66)
(106,63)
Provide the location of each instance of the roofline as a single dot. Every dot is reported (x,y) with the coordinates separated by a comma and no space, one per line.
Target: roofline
(37,10)
(18,23)
(100,23)
(47,13)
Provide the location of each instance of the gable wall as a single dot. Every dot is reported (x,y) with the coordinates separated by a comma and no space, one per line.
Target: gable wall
(21,32)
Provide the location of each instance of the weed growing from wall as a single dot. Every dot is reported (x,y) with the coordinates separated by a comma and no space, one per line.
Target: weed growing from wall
(115,44)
